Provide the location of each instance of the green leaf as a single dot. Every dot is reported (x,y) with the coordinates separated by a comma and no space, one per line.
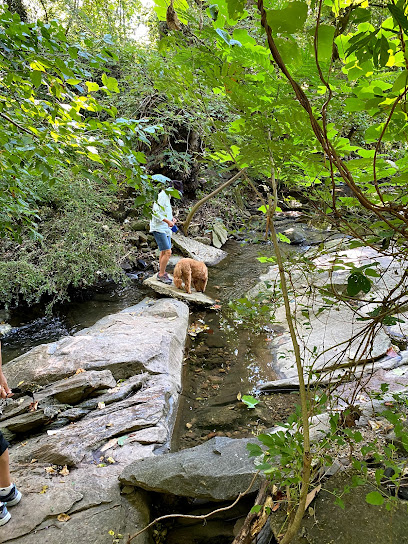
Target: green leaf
(122,440)
(251,402)
(36,77)
(73,52)
(256,508)
(92,86)
(236,8)
(213,11)
(110,83)
(255,450)
(401,82)
(288,20)
(357,282)
(398,16)
(325,38)
(283,238)
(375,498)
(224,35)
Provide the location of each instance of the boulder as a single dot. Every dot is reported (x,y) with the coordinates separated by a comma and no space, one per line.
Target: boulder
(196,250)
(128,343)
(111,425)
(332,335)
(79,386)
(194,297)
(90,496)
(219,469)
(75,443)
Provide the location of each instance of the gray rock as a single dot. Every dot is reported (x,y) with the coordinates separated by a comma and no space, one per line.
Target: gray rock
(194,297)
(74,443)
(116,426)
(201,252)
(78,387)
(222,417)
(217,470)
(127,343)
(90,496)
(25,422)
(139,225)
(203,240)
(295,233)
(5,328)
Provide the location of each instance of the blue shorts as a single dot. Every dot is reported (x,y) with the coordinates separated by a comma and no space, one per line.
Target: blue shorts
(3,444)
(163,240)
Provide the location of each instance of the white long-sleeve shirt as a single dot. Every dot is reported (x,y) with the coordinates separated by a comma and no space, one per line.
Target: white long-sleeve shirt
(161,210)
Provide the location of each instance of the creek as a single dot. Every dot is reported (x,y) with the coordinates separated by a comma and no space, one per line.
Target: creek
(224,361)
(227,359)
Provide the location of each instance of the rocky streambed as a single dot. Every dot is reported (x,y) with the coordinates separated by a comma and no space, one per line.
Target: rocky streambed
(91,455)
(103,398)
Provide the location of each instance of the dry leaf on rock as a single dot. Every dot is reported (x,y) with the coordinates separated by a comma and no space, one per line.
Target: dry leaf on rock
(64,471)
(111,460)
(312,494)
(44,489)
(79,371)
(110,444)
(101,405)
(33,406)
(196,328)
(63,517)
(50,470)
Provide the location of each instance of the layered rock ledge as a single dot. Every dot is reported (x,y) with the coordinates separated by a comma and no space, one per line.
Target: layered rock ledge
(103,398)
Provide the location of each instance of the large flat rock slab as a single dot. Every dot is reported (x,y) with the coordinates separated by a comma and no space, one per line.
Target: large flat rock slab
(334,335)
(126,343)
(196,250)
(105,397)
(90,497)
(327,339)
(217,470)
(77,442)
(195,297)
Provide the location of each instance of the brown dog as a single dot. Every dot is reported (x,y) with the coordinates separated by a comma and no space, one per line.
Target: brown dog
(190,272)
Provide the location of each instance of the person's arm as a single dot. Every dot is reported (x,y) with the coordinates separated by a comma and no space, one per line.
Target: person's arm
(159,209)
(5,390)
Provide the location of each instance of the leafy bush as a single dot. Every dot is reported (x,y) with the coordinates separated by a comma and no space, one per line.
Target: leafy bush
(78,245)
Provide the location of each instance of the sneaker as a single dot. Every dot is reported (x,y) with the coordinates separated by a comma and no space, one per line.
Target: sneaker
(165,279)
(13,498)
(4,514)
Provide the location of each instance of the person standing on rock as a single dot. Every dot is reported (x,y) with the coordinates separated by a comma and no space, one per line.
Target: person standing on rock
(161,225)
(9,494)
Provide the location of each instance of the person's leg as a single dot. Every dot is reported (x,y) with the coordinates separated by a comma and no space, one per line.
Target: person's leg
(9,494)
(164,260)
(5,480)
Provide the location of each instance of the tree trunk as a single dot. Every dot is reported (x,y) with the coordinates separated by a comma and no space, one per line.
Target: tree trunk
(17,6)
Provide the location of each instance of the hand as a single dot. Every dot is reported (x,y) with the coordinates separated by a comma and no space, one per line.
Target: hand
(5,390)
(174,221)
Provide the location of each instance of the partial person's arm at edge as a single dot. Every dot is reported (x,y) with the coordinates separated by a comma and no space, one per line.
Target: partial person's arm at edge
(5,390)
